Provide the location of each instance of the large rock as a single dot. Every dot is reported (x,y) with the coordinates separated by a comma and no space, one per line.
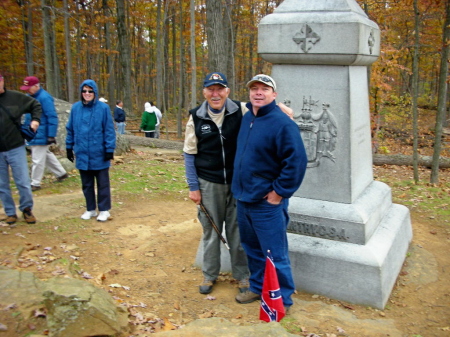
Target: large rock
(219,327)
(75,308)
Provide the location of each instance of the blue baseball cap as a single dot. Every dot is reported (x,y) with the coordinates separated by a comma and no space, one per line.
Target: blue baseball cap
(215,78)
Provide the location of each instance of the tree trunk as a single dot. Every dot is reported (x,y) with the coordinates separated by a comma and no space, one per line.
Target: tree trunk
(217,33)
(124,54)
(404,160)
(27,25)
(57,92)
(112,96)
(159,56)
(69,76)
(181,77)
(193,59)
(415,91)
(440,116)
(49,69)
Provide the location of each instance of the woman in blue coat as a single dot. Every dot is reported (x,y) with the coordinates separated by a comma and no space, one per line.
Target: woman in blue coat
(91,139)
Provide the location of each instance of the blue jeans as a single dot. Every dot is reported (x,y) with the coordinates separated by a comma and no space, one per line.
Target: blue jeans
(17,160)
(263,227)
(120,128)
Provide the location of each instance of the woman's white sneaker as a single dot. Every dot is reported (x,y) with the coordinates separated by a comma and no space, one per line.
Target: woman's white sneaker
(103,216)
(88,214)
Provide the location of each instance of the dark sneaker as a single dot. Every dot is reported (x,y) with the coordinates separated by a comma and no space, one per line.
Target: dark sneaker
(206,286)
(63,177)
(287,311)
(244,285)
(35,188)
(28,216)
(247,297)
(11,219)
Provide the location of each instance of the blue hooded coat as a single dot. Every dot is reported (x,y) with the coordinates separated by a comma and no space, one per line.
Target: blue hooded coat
(90,132)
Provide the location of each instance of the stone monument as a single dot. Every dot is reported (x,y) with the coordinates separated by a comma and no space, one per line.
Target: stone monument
(347,239)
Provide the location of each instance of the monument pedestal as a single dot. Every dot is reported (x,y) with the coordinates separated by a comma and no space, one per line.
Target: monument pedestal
(363,274)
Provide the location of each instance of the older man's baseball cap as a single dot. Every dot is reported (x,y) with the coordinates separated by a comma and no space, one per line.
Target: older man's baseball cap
(266,79)
(215,78)
(28,82)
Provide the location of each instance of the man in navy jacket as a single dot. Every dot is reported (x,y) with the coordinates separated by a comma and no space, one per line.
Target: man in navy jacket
(269,167)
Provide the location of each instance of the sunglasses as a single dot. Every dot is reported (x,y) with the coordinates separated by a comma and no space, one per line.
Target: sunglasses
(85,91)
(262,78)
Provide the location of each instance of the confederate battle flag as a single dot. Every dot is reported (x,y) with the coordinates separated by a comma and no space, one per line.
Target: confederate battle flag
(272,309)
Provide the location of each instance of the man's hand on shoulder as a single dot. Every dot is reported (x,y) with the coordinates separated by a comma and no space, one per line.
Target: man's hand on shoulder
(287,110)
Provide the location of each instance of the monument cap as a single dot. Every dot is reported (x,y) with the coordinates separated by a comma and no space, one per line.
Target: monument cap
(28,82)
(266,79)
(215,78)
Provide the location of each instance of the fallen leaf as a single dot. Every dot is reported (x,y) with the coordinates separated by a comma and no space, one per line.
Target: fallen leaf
(100,278)
(207,314)
(340,330)
(176,305)
(41,312)
(115,285)
(3,327)
(168,325)
(86,275)
(11,306)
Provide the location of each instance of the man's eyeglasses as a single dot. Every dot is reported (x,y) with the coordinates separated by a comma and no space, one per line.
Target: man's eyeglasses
(85,91)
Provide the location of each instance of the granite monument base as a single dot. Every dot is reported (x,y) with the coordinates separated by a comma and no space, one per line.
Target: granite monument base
(363,274)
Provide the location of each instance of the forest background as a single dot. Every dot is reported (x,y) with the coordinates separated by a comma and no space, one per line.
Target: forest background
(160,50)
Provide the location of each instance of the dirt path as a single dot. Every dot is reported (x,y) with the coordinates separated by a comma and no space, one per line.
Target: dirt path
(144,256)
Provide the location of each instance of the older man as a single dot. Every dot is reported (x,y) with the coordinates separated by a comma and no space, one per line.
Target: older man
(13,105)
(269,167)
(209,149)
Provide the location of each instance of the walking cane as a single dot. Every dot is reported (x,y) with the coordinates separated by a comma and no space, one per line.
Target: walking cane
(214,226)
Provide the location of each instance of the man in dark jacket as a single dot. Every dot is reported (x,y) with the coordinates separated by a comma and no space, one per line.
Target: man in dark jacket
(119,117)
(41,155)
(13,105)
(269,167)
(209,149)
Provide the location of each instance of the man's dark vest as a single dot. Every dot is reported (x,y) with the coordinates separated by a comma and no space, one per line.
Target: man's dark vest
(215,154)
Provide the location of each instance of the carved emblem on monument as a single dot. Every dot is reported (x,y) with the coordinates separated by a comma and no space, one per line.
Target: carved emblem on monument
(306,38)
(318,130)
(371,41)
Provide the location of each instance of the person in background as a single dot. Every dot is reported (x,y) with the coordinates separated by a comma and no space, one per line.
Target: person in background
(91,141)
(119,117)
(209,149)
(149,121)
(41,155)
(269,167)
(13,105)
(159,116)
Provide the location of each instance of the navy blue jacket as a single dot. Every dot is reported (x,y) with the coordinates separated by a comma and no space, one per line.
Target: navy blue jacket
(270,155)
(119,114)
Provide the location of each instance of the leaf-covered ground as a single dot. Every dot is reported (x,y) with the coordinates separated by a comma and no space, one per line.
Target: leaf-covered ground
(144,256)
